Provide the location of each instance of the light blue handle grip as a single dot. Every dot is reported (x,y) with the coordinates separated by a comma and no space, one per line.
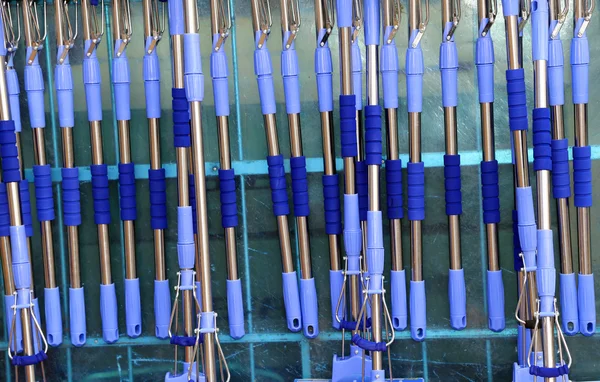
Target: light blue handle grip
(371,22)
(344,13)
(457,295)
(151,74)
(92,79)
(108,312)
(568,304)
(418,311)
(8,314)
(399,312)
(510,7)
(64,90)
(539,29)
(291,300)
(34,87)
(495,301)
(235,308)
(37,339)
(336,282)
(121,80)
(13,88)
(162,308)
(587,305)
(54,331)
(133,308)
(77,316)
(310,307)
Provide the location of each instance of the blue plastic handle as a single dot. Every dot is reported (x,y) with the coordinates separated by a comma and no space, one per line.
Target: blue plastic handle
(54,331)
(290,73)
(310,307)
(121,83)
(352,234)
(219,72)
(495,301)
(371,22)
(568,304)
(151,74)
(539,29)
(92,79)
(291,299)
(418,311)
(64,90)
(324,74)
(34,87)
(457,295)
(77,317)
(133,309)
(108,313)
(398,292)
(587,305)
(546,273)
(162,308)
(235,308)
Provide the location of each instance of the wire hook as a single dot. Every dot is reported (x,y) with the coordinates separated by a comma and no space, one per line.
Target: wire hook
(586,18)
(561,18)
(492,12)
(422,26)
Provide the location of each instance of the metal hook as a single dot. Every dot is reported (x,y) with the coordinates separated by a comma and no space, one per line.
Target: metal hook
(586,18)
(96,36)
(357,22)
(11,39)
(224,22)
(127,31)
(422,26)
(455,20)
(396,20)
(493,11)
(69,40)
(525,12)
(535,332)
(522,293)
(561,18)
(294,22)
(329,16)
(265,21)
(157,24)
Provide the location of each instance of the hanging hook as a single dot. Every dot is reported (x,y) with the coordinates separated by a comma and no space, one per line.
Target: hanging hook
(492,12)
(396,20)
(70,36)
(96,33)
(127,30)
(422,26)
(525,12)
(224,22)
(561,18)
(455,20)
(357,18)
(157,24)
(11,38)
(587,17)
(329,17)
(265,21)
(294,22)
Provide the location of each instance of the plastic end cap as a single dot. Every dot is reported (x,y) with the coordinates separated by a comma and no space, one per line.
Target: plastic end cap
(495,301)
(310,309)
(235,309)
(54,332)
(133,311)
(162,308)
(418,311)
(587,305)
(77,316)
(108,311)
(291,300)
(458,299)
(398,292)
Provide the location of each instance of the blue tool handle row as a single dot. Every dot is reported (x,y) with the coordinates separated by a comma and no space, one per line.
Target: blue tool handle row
(14,93)
(34,87)
(490,192)
(324,74)
(100,193)
(194,78)
(219,72)
(92,79)
(127,191)
(561,180)
(394,189)
(263,69)
(542,140)
(158,198)
(63,77)
(290,74)
(452,184)
(229,217)
(44,199)
(121,82)
(362,188)
(484,60)
(71,196)
(331,204)
(151,74)
(181,118)
(278,185)
(389,70)
(299,186)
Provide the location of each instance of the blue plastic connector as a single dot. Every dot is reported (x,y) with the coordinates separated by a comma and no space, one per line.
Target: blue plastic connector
(580,62)
(371,22)
(398,292)
(291,299)
(539,29)
(389,70)
(527,226)
(185,238)
(263,69)
(418,311)
(34,87)
(336,281)
(556,84)
(235,308)
(13,89)
(344,13)
(352,234)
(324,74)
(151,74)
(176,19)
(63,78)
(357,78)
(108,312)
(568,304)
(510,7)
(54,331)
(484,60)
(414,76)
(133,308)
(77,325)
(375,252)
(219,72)
(92,79)
(194,78)
(290,72)
(449,69)
(162,308)
(495,301)
(457,296)
(121,80)
(546,273)
(310,308)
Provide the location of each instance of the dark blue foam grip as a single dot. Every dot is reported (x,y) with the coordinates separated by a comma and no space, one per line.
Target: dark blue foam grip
(517,260)
(452,184)
(368,345)
(162,308)
(26,207)
(373,135)
(44,200)
(108,312)
(181,118)
(416,190)
(495,301)
(127,191)
(331,203)
(100,193)
(9,153)
(398,292)
(4,214)
(348,126)
(490,192)
(192,186)
(229,217)
(291,299)
(71,196)
(279,195)
(77,325)
(133,308)
(549,372)
(362,189)
(310,307)
(517,99)
(542,137)
(186,341)
(351,325)
(582,176)
(568,304)
(299,186)
(158,198)
(235,309)
(561,180)
(393,177)
(92,79)
(54,327)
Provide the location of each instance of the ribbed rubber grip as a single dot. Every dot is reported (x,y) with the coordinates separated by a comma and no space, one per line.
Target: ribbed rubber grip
(452,184)
(158,198)
(416,190)
(373,135)
(362,189)
(331,203)
(127,191)
(490,191)
(561,180)
(44,201)
(229,216)
(100,193)
(542,138)
(517,99)
(278,185)
(582,176)
(26,207)
(299,186)
(395,196)
(181,118)
(348,126)
(9,152)
(71,196)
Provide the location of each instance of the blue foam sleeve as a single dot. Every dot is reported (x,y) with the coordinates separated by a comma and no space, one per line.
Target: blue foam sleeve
(44,198)
(54,331)
(133,308)
(495,301)
(228,198)
(418,311)
(127,192)
(9,301)
(517,99)
(568,304)
(278,185)
(362,188)
(372,140)
(162,308)
(582,176)
(348,137)
(394,189)
(181,118)
(100,193)
(331,204)
(92,79)
(8,150)
(561,179)
(542,138)
(4,213)
(108,313)
(71,197)
(77,324)
(587,305)
(310,307)
(336,281)
(299,186)
(416,190)
(158,198)
(490,192)
(398,292)
(291,299)
(452,184)
(457,296)
(235,309)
